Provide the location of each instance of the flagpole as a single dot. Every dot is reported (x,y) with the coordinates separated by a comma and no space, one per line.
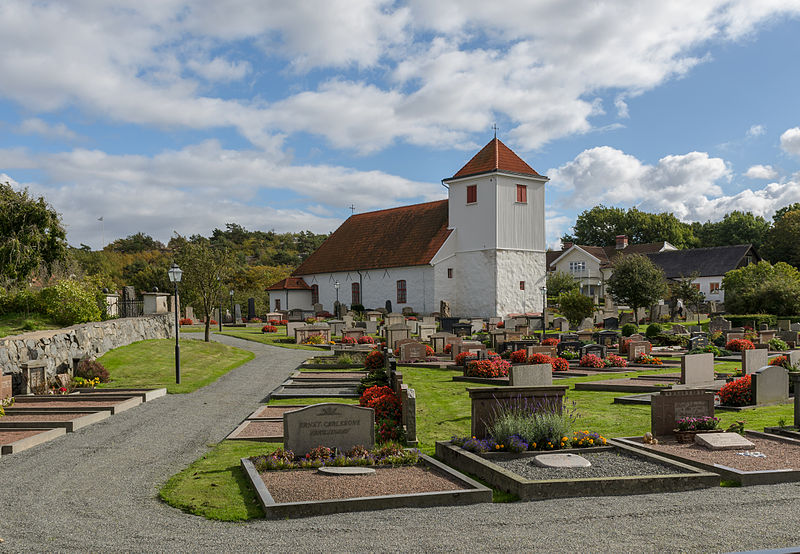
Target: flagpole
(102,232)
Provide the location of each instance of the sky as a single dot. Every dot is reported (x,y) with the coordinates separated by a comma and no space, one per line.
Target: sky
(170,116)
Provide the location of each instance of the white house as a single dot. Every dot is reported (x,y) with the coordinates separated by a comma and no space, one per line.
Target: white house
(482,250)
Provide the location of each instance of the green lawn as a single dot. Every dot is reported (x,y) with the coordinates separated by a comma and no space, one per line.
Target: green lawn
(15,323)
(254,334)
(151,363)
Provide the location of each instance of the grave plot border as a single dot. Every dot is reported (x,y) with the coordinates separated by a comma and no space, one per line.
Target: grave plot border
(603,386)
(526,489)
(146,394)
(473,493)
(791,431)
(115,405)
(83,419)
(234,435)
(744,478)
(28,442)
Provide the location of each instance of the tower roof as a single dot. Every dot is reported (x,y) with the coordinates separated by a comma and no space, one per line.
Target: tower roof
(495,156)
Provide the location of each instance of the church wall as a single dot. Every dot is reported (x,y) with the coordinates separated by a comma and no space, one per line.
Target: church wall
(520,226)
(514,266)
(475,222)
(474,276)
(378,286)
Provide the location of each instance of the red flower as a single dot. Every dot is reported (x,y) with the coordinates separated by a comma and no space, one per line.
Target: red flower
(551,341)
(738,392)
(269,329)
(739,345)
(519,356)
(559,364)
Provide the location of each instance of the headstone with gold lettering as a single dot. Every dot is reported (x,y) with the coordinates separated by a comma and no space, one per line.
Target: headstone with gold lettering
(339,426)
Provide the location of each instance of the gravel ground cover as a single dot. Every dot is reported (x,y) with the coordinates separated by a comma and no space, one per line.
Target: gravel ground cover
(604,464)
(304,485)
(272,411)
(779,454)
(257,429)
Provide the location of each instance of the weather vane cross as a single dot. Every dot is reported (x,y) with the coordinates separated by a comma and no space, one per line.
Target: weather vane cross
(352,209)
(495,130)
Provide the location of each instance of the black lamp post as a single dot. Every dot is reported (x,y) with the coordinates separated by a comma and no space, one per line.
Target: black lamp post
(219,315)
(233,314)
(336,286)
(544,309)
(175,273)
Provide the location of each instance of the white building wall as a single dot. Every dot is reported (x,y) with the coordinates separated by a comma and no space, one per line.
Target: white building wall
(290,299)
(514,266)
(474,273)
(475,222)
(705,287)
(520,226)
(378,286)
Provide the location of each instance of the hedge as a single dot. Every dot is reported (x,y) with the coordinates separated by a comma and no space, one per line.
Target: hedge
(755,320)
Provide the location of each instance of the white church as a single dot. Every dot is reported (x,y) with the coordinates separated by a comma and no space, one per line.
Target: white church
(482,250)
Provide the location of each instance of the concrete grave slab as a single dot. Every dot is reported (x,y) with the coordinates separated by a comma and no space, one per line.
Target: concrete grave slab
(723,441)
(697,368)
(561,460)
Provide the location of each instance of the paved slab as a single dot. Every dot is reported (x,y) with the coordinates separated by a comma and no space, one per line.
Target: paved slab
(561,460)
(723,441)
(346,470)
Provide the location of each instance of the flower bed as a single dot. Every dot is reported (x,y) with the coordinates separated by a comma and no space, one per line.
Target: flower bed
(374,360)
(269,329)
(550,341)
(559,364)
(739,345)
(366,339)
(464,357)
(647,359)
(591,360)
(738,392)
(349,340)
(388,411)
(490,369)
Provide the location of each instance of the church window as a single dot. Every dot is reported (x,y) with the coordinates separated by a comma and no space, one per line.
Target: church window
(401,291)
(356,296)
(449,272)
(472,194)
(522,194)
(522,285)
(277,304)
(315,294)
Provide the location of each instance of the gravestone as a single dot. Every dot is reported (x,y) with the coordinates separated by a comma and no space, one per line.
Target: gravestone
(462,329)
(679,329)
(698,341)
(35,375)
(373,315)
(697,369)
(607,337)
(770,385)
(370,326)
(412,352)
(625,318)
(793,357)
(695,329)
(547,350)
(316,308)
(439,340)
(396,332)
(336,326)
(189,313)
(6,386)
(766,336)
(339,426)
(638,348)
(348,320)
(251,308)
(215,315)
(429,320)
(388,306)
(353,332)
(587,323)
(305,332)
(784,325)
(530,375)
(723,441)
(734,335)
(572,346)
(237,313)
(669,406)
(444,308)
(295,314)
(561,324)
(407,311)
(425,331)
(753,360)
(413,325)
(487,400)
(596,349)
(610,323)
(763,327)
(719,323)
(794,327)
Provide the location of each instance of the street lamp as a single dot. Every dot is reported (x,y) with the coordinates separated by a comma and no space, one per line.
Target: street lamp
(175,273)
(336,286)
(233,319)
(219,315)
(544,309)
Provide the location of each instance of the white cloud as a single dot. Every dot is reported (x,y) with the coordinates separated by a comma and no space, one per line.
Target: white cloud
(36,126)
(761,172)
(790,141)
(219,69)
(756,130)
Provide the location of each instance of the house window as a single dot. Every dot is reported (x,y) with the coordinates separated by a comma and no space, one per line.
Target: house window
(522,285)
(577,267)
(696,286)
(277,304)
(749,260)
(355,288)
(522,194)
(401,291)
(472,194)
(315,294)
(713,287)
(449,272)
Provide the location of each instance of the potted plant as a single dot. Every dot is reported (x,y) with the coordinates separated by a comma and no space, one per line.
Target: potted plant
(687,427)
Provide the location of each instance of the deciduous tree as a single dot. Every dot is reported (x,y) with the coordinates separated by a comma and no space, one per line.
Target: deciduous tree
(636,282)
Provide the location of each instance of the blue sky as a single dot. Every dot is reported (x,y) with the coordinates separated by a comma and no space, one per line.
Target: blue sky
(168,116)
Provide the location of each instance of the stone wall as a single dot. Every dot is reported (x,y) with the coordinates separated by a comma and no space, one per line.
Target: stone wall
(58,347)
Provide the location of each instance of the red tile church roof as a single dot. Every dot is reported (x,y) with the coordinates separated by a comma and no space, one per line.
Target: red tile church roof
(495,156)
(397,237)
(290,283)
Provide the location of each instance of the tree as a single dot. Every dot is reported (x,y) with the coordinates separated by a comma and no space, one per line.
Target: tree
(601,225)
(684,289)
(636,282)
(575,306)
(559,282)
(31,234)
(205,272)
(133,244)
(782,243)
(785,210)
(763,288)
(735,228)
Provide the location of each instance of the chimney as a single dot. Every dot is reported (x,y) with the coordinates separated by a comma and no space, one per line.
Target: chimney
(622,242)
(566,246)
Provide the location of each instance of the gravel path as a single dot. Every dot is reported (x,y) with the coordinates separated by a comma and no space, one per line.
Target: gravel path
(96,490)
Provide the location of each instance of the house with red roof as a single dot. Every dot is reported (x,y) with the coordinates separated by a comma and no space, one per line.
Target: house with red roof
(482,249)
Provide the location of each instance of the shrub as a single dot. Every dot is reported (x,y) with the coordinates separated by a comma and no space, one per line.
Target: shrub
(568,355)
(544,426)
(492,368)
(69,302)
(185,321)
(448,348)
(315,339)
(283,322)
(388,411)
(519,356)
(464,357)
(737,393)
(214,322)
(374,360)
(255,320)
(648,360)
(429,351)
(550,341)
(782,361)
(539,358)
(349,340)
(91,369)
(269,329)
(274,322)
(591,360)
(739,345)
(559,364)
(612,360)
(778,344)
(628,329)
(366,339)
(705,423)
(653,330)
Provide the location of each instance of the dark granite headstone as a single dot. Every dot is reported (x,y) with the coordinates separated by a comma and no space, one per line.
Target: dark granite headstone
(669,406)
(610,323)
(388,306)
(251,308)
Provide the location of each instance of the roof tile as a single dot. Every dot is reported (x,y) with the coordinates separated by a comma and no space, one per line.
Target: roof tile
(493,157)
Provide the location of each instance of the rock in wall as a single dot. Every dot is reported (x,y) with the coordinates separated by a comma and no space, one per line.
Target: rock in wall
(57,347)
